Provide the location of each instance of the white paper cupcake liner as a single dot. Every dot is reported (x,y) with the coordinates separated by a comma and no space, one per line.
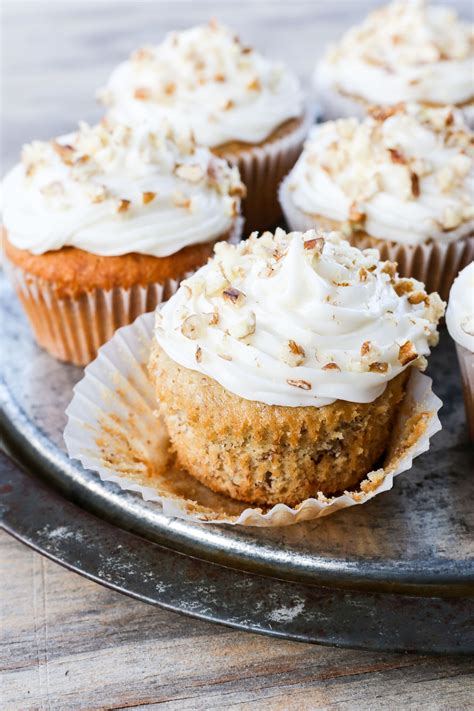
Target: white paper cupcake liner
(434,264)
(262,169)
(113,429)
(72,328)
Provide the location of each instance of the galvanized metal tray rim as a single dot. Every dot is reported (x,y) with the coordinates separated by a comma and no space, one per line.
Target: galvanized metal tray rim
(450,578)
(44,520)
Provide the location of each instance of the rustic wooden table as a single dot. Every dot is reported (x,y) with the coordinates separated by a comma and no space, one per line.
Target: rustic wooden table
(65,642)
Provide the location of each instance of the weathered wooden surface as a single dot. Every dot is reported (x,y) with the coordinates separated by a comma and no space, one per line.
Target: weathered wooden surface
(67,644)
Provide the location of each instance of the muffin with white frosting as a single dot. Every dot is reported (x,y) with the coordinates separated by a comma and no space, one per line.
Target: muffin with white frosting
(460,323)
(279,366)
(101,225)
(401,180)
(404,51)
(243,106)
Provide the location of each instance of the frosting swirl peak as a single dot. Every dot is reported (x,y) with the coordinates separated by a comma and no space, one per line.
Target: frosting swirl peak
(404,174)
(299,319)
(111,189)
(404,51)
(204,77)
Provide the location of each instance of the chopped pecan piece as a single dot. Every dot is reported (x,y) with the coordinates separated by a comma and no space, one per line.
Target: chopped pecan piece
(396,156)
(295,348)
(147,197)
(381,113)
(415,184)
(233,296)
(64,151)
(254,85)
(378,367)
(317,244)
(331,366)
(123,205)
(407,353)
(390,268)
(142,94)
(419,297)
(404,286)
(302,384)
(191,327)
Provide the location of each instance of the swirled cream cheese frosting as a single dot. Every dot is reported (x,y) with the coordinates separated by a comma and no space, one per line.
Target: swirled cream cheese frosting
(405,51)
(404,174)
(111,190)
(206,78)
(460,311)
(299,319)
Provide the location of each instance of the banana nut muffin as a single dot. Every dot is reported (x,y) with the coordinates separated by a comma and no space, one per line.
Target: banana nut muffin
(400,180)
(404,51)
(280,365)
(245,107)
(101,225)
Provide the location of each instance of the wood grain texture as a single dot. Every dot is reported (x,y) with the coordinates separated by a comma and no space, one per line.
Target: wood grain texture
(68,644)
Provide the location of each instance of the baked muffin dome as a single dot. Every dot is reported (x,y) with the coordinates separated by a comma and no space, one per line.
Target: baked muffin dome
(275,360)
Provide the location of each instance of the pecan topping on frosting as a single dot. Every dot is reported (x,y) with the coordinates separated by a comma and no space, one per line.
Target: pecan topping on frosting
(400,177)
(207,79)
(307,331)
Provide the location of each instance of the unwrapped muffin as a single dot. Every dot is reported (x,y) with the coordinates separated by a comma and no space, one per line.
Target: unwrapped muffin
(460,323)
(404,51)
(246,108)
(101,225)
(401,180)
(279,366)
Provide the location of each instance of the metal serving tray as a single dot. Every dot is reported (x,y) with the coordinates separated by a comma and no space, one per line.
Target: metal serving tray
(395,574)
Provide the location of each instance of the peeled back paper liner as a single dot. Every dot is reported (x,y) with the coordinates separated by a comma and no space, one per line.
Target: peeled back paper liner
(72,328)
(436,265)
(113,429)
(263,167)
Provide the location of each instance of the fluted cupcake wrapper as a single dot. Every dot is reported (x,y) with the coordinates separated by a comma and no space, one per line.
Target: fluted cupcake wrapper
(262,168)
(434,264)
(113,429)
(72,328)
(466,365)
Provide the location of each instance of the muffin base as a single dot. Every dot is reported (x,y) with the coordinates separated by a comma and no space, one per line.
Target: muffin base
(263,166)
(265,454)
(75,300)
(466,366)
(434,264)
